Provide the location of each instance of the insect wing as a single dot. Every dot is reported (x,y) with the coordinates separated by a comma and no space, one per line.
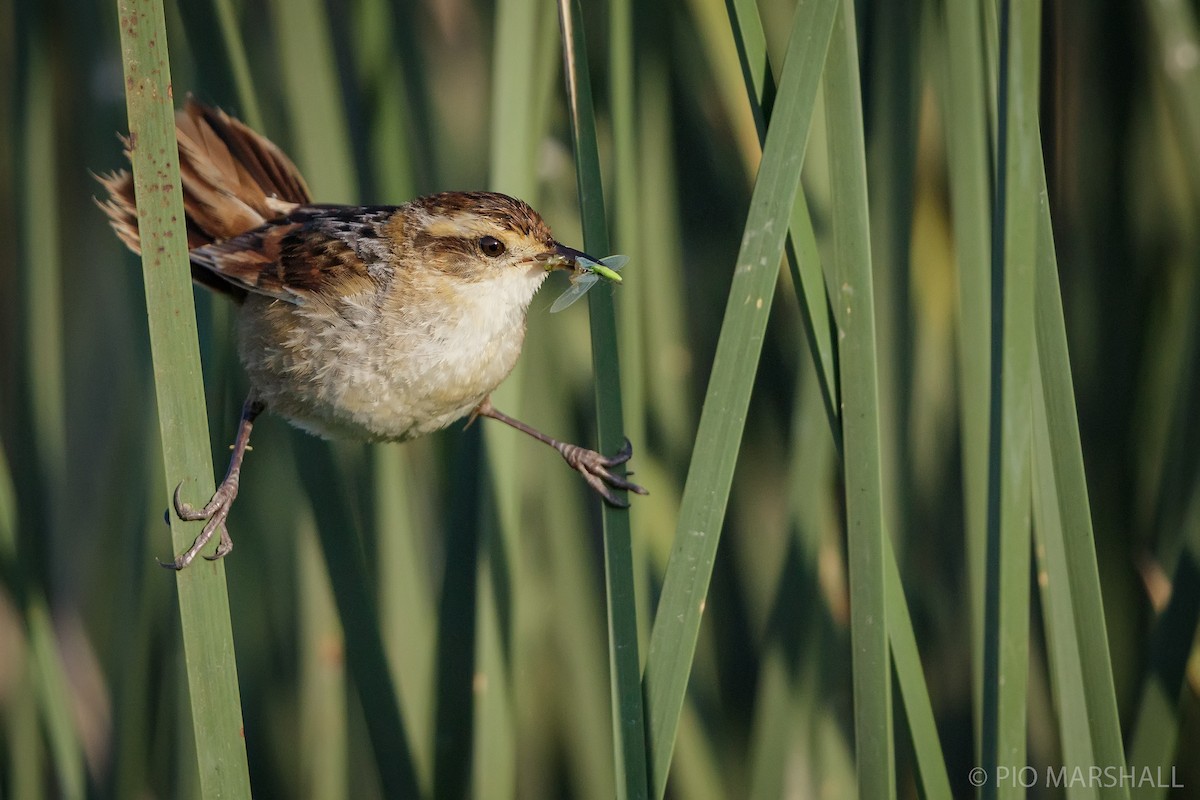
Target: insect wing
(615,262)
(579,287)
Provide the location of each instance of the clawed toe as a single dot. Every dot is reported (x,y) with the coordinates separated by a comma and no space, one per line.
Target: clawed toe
(594,468)
(184,510)
(215,511)
(224,548)
(620,457)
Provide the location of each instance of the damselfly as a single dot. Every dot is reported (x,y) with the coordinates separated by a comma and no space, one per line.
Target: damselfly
(587,273)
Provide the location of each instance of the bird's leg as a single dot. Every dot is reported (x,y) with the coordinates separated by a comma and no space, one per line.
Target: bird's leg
(217,508)
(591,465)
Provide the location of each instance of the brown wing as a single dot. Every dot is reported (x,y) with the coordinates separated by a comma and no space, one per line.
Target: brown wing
(314,252)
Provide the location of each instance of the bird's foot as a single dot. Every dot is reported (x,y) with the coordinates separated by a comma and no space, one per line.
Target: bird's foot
(595,469)
(215,512)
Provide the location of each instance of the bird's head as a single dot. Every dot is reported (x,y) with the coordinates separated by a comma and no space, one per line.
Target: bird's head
(485,237)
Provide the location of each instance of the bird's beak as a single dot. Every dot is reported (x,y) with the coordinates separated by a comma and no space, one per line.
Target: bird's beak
(563,257)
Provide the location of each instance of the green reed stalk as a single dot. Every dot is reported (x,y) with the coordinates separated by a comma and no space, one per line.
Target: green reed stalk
(853,306)
(1014,237)
(710,475)
(203,602)
(628,721)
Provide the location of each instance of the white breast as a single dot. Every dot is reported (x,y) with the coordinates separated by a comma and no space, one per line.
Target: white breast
(367,370)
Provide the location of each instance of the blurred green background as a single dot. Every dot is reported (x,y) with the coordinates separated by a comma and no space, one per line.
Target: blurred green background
(485,552)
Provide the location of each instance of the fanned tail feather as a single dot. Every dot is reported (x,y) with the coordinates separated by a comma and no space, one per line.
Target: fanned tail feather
(234,180)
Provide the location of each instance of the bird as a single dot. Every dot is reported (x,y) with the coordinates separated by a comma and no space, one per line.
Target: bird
(370,323)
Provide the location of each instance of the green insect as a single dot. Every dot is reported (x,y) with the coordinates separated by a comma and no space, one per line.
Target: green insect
(587,273)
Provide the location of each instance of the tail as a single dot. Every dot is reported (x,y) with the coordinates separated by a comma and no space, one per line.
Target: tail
(234,180)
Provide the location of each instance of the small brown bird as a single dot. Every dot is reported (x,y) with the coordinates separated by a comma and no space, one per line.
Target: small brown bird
(376,323)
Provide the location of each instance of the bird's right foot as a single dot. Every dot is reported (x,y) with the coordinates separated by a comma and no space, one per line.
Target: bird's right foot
(595,469)
(215,511)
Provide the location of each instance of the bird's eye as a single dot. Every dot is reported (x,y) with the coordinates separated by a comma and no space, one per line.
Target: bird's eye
(491,246)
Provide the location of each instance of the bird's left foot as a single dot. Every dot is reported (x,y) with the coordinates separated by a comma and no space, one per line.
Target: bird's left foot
(595,469)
